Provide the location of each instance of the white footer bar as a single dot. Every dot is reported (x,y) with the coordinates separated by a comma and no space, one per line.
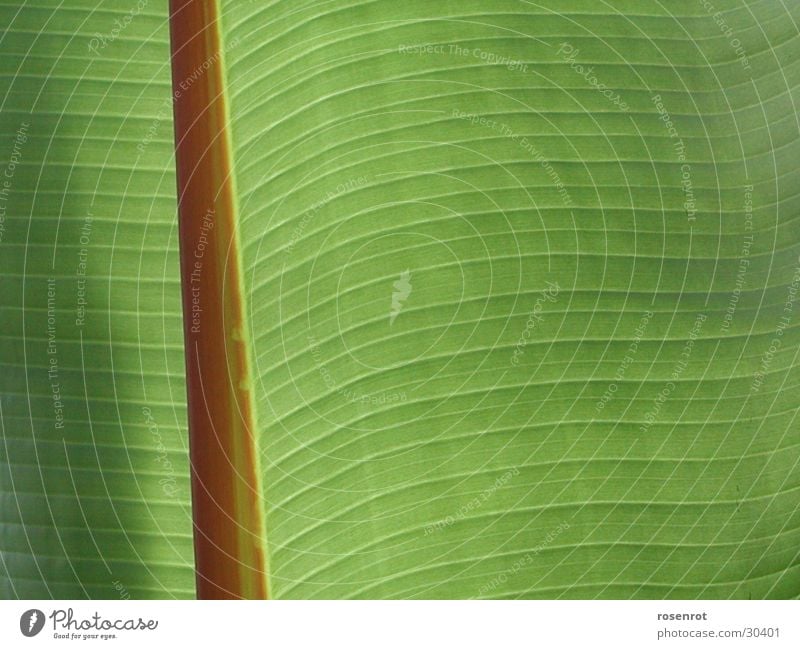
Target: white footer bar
(400,625)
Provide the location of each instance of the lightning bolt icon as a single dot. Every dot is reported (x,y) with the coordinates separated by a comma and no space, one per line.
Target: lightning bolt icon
(32,621)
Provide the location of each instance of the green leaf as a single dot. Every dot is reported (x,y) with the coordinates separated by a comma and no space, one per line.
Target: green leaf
(500,300)
(454,244)
(94,488)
